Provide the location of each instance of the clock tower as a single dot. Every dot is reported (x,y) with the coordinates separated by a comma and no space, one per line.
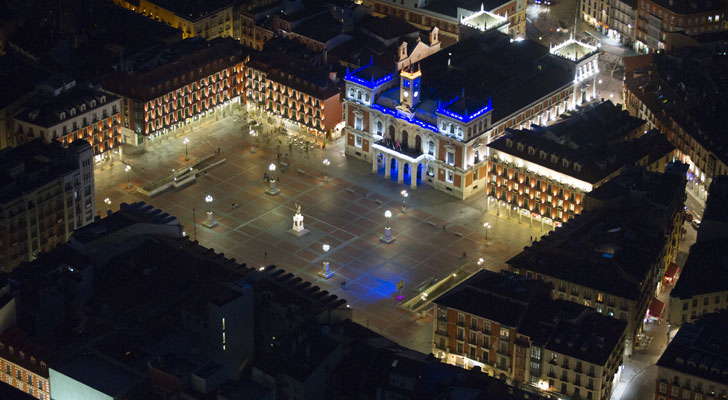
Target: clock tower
(409,90)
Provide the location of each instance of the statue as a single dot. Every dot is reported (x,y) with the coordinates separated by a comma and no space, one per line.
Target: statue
(298,230)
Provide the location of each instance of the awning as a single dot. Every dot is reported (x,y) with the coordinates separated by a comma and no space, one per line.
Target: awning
(656,308)
(671,271)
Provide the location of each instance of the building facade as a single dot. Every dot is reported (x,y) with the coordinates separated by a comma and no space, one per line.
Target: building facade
(441,139)
(22,367)
(508,326)
(695,363)
(657,18)
(301,96)
(534,178)
(446,15)
(206,19)
(186,82)
(661,89)
(48,191)
(581,258)
(72,114)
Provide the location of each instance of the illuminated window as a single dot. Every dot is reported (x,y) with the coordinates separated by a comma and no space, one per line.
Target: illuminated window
(449,176)
(600,297)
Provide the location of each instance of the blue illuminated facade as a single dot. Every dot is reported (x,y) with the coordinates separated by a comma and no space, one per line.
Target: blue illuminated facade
(442,109)
(405,118)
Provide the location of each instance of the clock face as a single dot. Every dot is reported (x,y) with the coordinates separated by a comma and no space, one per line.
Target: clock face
(405,94)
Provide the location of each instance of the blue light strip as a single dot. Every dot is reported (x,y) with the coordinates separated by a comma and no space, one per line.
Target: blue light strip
(464,118)
(397,115)
(369,84)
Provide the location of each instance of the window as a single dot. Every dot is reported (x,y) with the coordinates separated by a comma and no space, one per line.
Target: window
(358,122)
(450,158)
(600,297)
(357,140)
(380,128)
(486,326)
(431,148)
(449,176)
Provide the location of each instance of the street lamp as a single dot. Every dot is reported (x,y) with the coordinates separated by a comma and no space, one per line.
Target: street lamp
(326,169)
(272,190)
(487,226)
(210,223)
(128,178)
(108,203)
(325,271)
(254,135)
(480,261)
(387,238)
(185,141)
(404,200)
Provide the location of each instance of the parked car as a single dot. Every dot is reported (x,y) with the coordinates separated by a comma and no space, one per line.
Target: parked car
(695,223)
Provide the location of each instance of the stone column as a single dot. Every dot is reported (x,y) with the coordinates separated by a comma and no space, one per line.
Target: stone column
(374,164)
(400,172)
(387,167)
(413,177)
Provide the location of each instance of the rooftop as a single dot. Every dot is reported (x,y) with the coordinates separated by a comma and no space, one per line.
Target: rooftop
(193,10)
(716,205)
(389,27)
(700,349)
(128,215)
(705,271)
(686,7)
(98,374)
(19,78)
(450,8)
(48,110)
(34,164)
(294,73)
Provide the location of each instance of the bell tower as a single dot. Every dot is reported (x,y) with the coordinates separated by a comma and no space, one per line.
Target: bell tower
(409,89)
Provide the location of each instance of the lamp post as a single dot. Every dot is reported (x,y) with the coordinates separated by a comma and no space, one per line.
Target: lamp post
(210,223)
(254,135)
(325,271)
(387,238)
(128,178)
(185,141)
(326,169)
(404,200)
(107,201)
(480,262)
(272,190)
(486,226)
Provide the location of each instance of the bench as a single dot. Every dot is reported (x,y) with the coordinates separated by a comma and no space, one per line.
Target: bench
(300,171)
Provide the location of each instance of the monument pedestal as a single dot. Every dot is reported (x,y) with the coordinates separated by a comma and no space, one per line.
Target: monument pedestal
(325,271)
(272,190)
(387,238)
(209,222)
(298,230)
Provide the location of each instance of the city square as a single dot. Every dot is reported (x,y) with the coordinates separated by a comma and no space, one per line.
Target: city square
(347,212)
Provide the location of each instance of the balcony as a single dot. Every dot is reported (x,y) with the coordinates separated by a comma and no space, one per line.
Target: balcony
(409,152)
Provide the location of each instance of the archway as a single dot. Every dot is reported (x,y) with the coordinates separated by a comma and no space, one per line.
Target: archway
(393,169)
(380,164)
(419,174)
(418,143)
(405,140)
(391,134)
(407,175)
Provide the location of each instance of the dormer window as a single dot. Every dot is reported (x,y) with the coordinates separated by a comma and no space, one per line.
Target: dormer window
(509,143)
(565,163)
(577,167)
(542,154)
(103,99)
(93,103)
(531,151)
(62,116)
(83,107)
(554,159)
(520,146)
(73,112)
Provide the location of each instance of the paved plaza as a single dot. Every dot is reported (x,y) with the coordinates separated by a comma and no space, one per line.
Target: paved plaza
(437,235)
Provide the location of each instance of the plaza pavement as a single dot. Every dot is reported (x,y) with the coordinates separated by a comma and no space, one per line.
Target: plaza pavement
(437,235)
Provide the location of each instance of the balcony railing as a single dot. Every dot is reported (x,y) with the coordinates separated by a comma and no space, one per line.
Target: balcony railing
(403,149)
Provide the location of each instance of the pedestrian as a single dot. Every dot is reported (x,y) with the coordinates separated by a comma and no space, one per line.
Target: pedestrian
(465,254)
(232,206)
(265,255)
(343,285)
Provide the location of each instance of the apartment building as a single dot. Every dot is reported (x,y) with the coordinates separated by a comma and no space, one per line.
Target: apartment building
(430,122)
(63,112)
(702,287)
(542,174)
(695,363)
(674,94)
(47,191)
(195,18)
(613,256)
(302,96)
(23,365)
(657,18)
(509,327)
(170,87)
